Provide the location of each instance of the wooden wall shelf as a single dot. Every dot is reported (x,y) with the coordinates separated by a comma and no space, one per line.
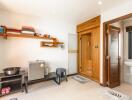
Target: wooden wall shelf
(54,42)
(24,36)
(50,44)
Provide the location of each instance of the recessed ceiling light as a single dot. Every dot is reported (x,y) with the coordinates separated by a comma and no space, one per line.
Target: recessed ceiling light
(100,3)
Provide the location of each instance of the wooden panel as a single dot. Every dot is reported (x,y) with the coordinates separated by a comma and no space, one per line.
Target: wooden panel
(93,23)
(79,54)
(84,53)
(96,54)
(90,68)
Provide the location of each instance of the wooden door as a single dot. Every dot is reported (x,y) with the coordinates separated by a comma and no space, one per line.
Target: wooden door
(113,57)
(86,53)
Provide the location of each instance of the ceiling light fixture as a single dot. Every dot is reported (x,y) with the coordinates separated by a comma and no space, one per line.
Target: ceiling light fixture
(100,2)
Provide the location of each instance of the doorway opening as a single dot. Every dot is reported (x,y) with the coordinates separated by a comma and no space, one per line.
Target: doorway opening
(117,51)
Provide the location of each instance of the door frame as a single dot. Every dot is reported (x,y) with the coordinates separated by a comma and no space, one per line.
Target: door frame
(105,24)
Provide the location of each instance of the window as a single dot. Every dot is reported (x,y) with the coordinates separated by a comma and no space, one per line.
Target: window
(130,45)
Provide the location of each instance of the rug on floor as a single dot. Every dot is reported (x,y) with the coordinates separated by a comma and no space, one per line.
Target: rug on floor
(80,79)
(115,95)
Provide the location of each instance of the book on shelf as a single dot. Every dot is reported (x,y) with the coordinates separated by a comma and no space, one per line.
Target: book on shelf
(13,31)
(27,30)
(27,34)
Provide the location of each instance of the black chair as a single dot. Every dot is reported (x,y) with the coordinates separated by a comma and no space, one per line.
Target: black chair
(61,74)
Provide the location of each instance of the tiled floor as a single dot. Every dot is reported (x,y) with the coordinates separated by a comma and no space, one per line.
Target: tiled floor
(71,90)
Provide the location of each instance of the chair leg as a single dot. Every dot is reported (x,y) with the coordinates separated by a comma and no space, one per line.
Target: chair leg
(26,87)
(66,78)
(57,80)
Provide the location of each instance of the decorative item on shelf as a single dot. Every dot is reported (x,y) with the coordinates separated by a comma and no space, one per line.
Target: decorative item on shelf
(55,39)
(37,34)
(28,30)
(51,44)
(40,35)
(46,36)
(47,44)
(2,29)
(62,46)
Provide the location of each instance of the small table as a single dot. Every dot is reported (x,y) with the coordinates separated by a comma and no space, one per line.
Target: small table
(23,82)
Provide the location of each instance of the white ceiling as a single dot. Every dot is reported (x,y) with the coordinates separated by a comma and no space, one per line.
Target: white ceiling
(75,10)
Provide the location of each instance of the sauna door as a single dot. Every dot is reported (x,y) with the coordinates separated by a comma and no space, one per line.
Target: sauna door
(113,57)
(86,53)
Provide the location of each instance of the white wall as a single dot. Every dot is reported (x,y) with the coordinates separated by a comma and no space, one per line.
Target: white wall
(19,51)
(2,54)
(115,12)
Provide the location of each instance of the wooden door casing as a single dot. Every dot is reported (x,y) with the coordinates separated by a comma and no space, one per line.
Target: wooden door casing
(91,28)
(96,54)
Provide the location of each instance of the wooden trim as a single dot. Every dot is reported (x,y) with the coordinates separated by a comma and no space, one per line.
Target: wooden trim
(105,78)
(111,27)
(119,18)
(92,23)
(24,36)
(72,74)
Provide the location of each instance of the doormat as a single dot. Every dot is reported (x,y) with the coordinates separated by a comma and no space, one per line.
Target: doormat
(80,79)
(115,95)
